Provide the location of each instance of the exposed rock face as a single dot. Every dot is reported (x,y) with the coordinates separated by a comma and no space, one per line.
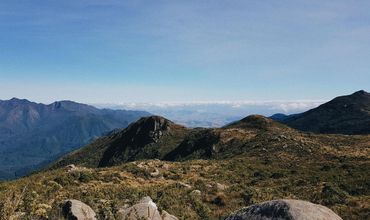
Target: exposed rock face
(138,141)
(145,209)
(285,210)
(167,216)
(77,210)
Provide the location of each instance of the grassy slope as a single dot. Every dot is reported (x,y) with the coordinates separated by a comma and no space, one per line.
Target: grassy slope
(339,184)
(257,159)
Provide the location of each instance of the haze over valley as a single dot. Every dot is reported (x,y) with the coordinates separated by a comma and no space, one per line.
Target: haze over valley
(216,114)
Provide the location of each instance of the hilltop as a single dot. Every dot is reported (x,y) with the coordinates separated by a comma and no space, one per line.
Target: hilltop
(148,138)
(155,137)
(343,115)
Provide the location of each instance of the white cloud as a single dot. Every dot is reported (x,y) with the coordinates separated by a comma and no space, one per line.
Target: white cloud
(224,106)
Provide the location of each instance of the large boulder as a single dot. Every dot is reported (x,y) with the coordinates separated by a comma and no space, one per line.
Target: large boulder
(77,210)
(144,210)
(285,210)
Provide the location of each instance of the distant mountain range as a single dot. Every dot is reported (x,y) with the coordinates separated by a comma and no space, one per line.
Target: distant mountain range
(343,115)
(157,137)
(206,173)
(33,134)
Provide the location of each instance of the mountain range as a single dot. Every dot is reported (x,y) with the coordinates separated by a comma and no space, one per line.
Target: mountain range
(33,134)
(343,115)
(206,173)
(155,137)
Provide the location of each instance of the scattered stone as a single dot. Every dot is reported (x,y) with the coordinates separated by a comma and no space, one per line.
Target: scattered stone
(165,166)
(141,165)
(183,185)
(285,209)
(70,167)
(196,192)
(77,210)
(155,173)
(220,186)
(73,168)
(146,209)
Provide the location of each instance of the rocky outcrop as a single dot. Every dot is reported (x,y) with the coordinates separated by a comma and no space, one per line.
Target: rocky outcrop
(145,209)
(285,210)
(73,168)
(142,140)
(77,210)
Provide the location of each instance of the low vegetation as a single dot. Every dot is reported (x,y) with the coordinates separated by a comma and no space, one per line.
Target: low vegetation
(212,173)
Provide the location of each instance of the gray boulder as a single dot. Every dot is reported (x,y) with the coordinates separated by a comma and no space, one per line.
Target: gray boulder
(146,209)
(285,210)
(77,210)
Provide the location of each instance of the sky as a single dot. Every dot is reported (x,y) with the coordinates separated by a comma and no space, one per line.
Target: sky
(112,51)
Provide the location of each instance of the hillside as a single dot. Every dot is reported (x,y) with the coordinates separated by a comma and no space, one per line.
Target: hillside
(33,134)
(216,172)
(155,137)
(148,138)
(342,115)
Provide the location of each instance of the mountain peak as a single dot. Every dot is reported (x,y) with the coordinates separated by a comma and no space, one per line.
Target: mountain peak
(255,122)
(156,122)
(18,101)
(66,103)
(152,127)
(361,93)
(349,114)
(140,138)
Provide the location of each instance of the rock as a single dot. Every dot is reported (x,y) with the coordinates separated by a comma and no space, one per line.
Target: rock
(208,185)
(141,165)
(196,192)
(183,185)
(70,167)
(146,209)
(165,166)
(155,173)
(220,186)
(166,216)
(74,168)
(285,210)
(77,210)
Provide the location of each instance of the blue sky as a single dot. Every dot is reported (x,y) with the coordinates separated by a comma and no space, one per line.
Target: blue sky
(110,51)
